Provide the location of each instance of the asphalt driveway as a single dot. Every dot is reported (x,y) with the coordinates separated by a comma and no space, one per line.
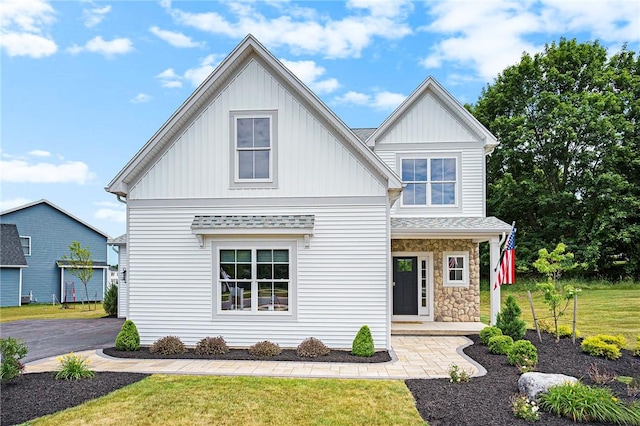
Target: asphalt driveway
(46,338)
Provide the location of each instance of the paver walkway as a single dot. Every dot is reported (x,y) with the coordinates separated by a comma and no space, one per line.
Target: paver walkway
(416,357)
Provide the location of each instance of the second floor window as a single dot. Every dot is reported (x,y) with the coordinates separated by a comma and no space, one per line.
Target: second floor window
(253,148)
(25,242)
(430,181)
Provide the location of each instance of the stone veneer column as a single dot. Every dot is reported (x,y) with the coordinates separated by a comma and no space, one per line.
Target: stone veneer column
(454,304)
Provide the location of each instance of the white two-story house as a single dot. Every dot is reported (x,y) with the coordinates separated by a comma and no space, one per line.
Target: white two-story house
(255,213)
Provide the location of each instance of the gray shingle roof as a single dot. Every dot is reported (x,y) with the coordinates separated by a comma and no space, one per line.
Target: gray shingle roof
(11,253)
(449,224)
(363,133)
(118,241)
(251,222)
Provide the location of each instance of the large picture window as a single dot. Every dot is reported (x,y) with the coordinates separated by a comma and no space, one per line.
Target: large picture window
(430,181)
(255,280)
(253,148)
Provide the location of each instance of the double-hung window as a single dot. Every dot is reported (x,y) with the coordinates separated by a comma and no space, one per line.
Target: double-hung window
(456,269)
(255,280)
(430,181)
(25,242)
(254,148)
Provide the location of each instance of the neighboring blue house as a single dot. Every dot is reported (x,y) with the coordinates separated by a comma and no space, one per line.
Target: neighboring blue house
(45,233)
(12,261)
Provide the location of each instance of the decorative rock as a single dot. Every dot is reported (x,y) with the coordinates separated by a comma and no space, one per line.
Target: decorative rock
(534,383)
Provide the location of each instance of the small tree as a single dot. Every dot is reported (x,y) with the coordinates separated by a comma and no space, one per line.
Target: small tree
(80,265)
(553,265)
(508,320)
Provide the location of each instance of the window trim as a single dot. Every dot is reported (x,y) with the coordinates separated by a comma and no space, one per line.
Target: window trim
(446,282)
(457,156)
(254,314)
(29,246)
(234,180)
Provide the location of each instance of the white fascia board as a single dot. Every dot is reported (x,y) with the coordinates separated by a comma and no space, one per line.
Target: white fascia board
(14,266)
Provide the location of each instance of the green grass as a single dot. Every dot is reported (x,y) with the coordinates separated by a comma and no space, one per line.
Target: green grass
(204,400)
(47,311)
(602,309)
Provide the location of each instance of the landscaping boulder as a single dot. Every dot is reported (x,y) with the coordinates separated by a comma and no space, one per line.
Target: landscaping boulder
(534,383)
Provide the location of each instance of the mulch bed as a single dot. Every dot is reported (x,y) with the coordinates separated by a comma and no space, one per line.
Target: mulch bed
(485,400)
(482,401)
(244,355)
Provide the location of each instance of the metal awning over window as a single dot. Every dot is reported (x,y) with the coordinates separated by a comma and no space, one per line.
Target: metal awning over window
(253,225)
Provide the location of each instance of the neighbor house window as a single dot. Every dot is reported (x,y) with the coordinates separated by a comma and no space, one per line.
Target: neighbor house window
(430,181)
(456,269)
(254,148)
(25,242)
(255,280)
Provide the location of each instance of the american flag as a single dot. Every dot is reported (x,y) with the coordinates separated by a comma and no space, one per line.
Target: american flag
(507,266)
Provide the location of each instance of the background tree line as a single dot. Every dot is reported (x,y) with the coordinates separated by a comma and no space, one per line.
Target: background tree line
(568,166)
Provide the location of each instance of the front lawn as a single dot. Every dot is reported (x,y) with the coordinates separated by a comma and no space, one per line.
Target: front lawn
(190,400)
(35,311)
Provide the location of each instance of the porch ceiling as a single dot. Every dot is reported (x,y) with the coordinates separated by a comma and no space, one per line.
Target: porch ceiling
(477,228)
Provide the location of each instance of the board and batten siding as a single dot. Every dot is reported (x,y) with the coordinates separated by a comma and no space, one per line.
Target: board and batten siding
(311,161)
(341,277)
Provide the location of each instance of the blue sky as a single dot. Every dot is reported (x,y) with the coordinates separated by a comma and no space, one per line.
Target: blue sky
(85,83)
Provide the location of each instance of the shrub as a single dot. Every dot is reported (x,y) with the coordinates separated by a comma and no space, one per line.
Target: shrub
(545,326)
(523,354)
(457,374)
(603,345)
(508,320)
(212,346)
(168,345)
(363,343)
(110,302)
(525,409)
(487,333)
(128,338)
(636,352)
(73,367)
(566,331)
(12,351)
(600,376)
(583,403)
(265,348)
(500,345)
(312,348)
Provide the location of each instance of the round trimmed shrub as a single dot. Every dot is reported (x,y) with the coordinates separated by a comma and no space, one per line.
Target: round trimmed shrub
(487,333)
(312,348)
(168,345)
(265,348)
(128,338)
(523,353)
(508,320)
(212,346)
(604,345)
(500,345)
(566,331)
(636,351)
(363,343)
(110,302)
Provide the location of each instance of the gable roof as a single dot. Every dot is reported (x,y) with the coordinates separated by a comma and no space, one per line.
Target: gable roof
(203,95)
(452,104)
(11,253)
(50,204)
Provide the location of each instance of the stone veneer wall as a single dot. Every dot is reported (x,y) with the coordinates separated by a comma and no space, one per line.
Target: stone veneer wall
(455,304)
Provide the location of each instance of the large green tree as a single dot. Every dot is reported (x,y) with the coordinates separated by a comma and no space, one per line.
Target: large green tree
(568,167)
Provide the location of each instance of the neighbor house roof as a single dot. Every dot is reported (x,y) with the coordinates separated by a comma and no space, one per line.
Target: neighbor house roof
(11,253)
(456,109)
(203,95)
(448,225)
(49,203)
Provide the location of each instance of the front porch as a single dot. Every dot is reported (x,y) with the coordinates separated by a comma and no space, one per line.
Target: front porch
(435,328)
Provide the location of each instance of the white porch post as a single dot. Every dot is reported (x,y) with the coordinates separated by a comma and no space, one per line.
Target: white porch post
(495,293)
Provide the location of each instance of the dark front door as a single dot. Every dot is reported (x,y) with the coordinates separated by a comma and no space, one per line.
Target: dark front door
(405,288)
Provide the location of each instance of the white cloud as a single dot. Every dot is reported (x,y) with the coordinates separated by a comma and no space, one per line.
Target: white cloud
(385,101)
(198,74)
(491,35)
(174,38)
(22,26)
(112,215)
(23,171)
(140,98)
(309,72)
(94,16)
(39,153)
(306,32)
(13,202)
(117,46)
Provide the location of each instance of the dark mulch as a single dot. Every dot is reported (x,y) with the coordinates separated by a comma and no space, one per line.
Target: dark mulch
(35,395)
(485,400)
(244,355)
